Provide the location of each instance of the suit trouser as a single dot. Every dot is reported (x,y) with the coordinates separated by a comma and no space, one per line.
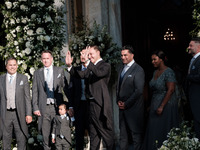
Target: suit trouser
(197,128)
(62,144)
(47,126)
(81,124)
(98,130)
(12,122)
(125,133)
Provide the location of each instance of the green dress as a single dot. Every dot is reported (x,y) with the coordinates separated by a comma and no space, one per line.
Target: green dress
(159,126)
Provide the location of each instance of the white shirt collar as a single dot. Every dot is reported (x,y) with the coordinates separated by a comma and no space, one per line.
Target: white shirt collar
(195,56)
(98,61)
(130,63)
(14,75)
(50,68)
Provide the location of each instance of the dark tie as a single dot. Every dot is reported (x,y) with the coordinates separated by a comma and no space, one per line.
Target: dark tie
(191,61)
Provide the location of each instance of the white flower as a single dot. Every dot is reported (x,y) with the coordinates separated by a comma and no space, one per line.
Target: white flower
(15,4)
(12,21)
(40,30)
(14,148)
(23,7)
(8,5)
(41,4)
(30,32)
(33,16)
(16,43)
(18,28)
(32,70)
(30,140)
(48,19)
(24,66)
(28,44)
(27,51)
(47,38)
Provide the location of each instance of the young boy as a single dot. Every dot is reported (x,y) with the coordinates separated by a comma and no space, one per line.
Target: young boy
(61,133)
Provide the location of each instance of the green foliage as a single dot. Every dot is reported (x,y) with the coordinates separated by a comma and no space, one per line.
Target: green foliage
(32,26)
(196,18)
(96,35)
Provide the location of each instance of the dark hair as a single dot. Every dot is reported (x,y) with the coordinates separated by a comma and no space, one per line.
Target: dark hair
(161,55)
(129,48)
(10,58)
(47,51)
(95,47)
(196,39)
(64,105)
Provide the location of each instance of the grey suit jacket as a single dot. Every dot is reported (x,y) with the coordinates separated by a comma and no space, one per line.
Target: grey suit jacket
(194,88)
(39,96)
(22,100)
(131,92)
(57,127)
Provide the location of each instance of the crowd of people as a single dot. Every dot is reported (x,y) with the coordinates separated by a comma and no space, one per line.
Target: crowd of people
(89,101)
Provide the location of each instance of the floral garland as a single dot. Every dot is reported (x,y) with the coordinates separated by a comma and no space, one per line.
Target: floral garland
(181,138)
(99,36)
(32,26)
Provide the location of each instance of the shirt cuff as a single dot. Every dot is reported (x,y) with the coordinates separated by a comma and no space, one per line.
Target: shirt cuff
(53,136)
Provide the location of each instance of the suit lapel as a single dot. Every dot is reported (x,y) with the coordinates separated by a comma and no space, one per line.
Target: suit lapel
(128,72)
(41,75)
(4,85)
(55,75)
(16,88)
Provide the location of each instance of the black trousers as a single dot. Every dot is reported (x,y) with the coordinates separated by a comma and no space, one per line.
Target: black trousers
(97,128)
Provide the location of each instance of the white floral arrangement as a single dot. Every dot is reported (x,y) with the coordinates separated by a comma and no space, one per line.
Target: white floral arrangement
(196,18)
(182,138)
(32,26)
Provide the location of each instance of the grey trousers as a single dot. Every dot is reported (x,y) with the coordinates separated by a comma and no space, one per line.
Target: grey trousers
(47,126)
(12,122)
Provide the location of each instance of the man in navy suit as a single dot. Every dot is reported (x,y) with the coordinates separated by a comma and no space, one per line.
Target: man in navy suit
(193,79)
(130,100)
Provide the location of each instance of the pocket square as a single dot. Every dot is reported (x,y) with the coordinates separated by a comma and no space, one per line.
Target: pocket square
(129,76)
(21,83)
(59,76)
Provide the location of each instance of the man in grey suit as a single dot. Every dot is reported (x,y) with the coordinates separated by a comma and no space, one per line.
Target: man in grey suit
(15,105)
(48,84)
(130,100)
(193,79)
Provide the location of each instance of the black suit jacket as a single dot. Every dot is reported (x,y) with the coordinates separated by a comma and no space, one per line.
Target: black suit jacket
(98,77)
(193,79)
(131,92)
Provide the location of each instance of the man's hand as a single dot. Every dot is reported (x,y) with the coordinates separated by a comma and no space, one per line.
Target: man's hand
(121,105)
(37,113)
(53,140)
(28,119)
(68,59)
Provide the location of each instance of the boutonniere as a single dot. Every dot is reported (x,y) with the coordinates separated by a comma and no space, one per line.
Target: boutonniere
(21,83)
(129,76)
(59,75)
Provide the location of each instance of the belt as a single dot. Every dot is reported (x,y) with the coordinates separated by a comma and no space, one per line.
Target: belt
(11,109)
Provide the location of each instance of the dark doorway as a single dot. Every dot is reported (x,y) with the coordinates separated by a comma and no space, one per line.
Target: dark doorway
(144,24)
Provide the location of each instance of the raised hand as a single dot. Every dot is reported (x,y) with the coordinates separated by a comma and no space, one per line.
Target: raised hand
(68,59)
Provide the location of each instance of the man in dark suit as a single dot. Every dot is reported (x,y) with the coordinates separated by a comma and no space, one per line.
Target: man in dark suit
(130,100)
(100,105)
(48,84)
(193,79)
(15,105)
(79,104)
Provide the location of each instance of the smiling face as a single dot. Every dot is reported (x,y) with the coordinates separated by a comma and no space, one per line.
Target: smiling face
(126,56)
(94,55)
(156,61)
(193,48)
(12,66)
(47,59)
